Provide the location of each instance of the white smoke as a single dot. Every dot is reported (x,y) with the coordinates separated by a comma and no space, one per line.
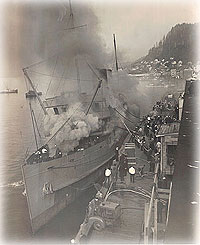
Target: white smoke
(78,126)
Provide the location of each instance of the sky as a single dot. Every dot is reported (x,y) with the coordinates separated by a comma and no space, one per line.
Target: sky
(138,25)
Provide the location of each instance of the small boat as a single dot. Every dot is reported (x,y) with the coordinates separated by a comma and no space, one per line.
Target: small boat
(9,91)
(32,94)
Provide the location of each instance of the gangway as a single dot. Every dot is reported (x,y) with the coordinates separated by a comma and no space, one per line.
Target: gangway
(130,151)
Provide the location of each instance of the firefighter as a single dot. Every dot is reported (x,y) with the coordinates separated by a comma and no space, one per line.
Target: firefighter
(107,177)
(132,174)
(123,166)
(117,153)
(159,211)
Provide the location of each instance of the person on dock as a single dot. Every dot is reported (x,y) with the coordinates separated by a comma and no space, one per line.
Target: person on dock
(121,173)
(151,166)
(140,132)
(160,208)
(152,145)
(117,153)
(143,141)
(132,174)
(141,171)
(150,160)
(123,166)
(158,146)
(107,177)
(58,153)
(114,173)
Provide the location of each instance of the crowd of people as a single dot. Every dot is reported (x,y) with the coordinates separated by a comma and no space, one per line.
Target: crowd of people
(163,112)
(145,134)
(42,155)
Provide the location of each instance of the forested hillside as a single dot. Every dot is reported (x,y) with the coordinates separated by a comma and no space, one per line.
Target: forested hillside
(180,43)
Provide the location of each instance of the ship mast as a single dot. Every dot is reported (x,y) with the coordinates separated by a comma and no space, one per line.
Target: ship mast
(76,59)
(115,48)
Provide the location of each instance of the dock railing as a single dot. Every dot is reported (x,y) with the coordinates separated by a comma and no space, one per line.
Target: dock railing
(149,208)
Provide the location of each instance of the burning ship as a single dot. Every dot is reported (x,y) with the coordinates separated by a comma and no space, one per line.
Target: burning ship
(82,132)
(52,181)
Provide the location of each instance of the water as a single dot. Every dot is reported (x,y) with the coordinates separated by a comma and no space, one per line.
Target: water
(16,135)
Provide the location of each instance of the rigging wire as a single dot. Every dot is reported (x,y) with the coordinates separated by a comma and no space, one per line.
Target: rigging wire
(59,129)
(46,94)
(123,115)
(132,114)
(51,77)
(36,123)
(92,69)
(61,114)
(75,27)
(61,79)
(41,138)
(127,127)
(32,142)
(70,118)
(47,89)
(125,110)
(26,83)
(40,62)
(40,109)
(34,131)
(98,87)
(73,114)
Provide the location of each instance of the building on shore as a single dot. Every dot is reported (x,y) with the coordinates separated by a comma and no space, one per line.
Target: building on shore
(168,134)
(183,225)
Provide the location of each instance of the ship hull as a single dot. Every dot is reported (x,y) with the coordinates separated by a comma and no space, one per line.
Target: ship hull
(66,196)
(66,180)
